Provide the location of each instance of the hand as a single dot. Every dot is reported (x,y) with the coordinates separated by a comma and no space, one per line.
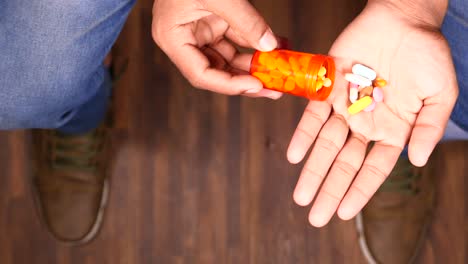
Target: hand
(415,60)
(195,35)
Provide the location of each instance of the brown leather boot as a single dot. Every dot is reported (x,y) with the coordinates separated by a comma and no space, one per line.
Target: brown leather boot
(70,182)
(394,224)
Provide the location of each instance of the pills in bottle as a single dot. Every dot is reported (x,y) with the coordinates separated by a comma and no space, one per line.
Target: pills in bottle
(302,74)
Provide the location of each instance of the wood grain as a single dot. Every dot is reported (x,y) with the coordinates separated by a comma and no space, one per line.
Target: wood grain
(203,178)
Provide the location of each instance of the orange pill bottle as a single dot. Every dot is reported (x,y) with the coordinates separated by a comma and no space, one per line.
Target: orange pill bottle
(302,74)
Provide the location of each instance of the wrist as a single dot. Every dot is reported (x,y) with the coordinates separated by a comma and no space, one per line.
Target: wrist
(422,13)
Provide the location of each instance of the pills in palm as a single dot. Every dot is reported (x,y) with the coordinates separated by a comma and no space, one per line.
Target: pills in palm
(365,89)
(357,79)
(364,71)
(377,94)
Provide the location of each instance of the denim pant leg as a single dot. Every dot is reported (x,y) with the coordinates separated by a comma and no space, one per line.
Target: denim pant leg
(51,54)
(455,29)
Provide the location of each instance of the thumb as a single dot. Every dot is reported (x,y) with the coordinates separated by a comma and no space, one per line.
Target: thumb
(246,22)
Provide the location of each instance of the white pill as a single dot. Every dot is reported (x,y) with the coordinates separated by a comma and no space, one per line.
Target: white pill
(357,79)
(353,95)
(364,71)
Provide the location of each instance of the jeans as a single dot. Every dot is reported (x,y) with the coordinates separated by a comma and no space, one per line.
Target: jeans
(51,62)
(455,29)
(51,55)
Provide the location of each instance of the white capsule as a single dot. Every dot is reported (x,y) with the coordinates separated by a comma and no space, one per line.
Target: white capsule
(357,79)
(353,95)
(364,71)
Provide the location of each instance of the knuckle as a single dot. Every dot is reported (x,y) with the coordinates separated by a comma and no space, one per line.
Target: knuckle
(327,145)
(361,191)
(375,172)
(311,173)
(309,114)
(345,168)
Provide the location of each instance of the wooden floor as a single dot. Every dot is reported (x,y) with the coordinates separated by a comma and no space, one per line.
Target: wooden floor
(203,178)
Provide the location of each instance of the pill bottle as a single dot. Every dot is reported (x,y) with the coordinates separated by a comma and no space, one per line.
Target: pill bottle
(295,73)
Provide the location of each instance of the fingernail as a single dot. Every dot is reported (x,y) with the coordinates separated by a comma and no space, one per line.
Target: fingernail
(253,91)
(268,41)
(271,94)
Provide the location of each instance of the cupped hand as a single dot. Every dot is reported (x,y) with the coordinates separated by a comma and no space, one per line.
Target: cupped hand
(415,59)
(195,34)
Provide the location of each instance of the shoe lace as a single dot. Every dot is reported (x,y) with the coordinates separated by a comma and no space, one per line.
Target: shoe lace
(77,152)
(402,179)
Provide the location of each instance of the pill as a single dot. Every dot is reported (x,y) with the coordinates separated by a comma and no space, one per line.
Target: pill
(327,82)
(282,64)
(366,91)
(304,61)
(262,76)
(357,79)
(269,84)
(379,82)
(364,71)
(276,74)
(360,105)
(278,83)
(300,79)
(377,94)
(353,95)
(371,107)
(262,58)
(294,64)
(322,71)
(290,84)
(270,62)
(318,85)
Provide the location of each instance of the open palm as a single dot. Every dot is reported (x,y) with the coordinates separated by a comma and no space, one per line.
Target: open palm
(419,97)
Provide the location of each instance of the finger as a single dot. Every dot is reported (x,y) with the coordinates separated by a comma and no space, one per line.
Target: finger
(238,62)
(226,49)
(245,21)
(275,95)
(329,142)
(315,115)
(200,73)
(377,166)
(341,174)
(242,61)
(239,40)
(429,129)
(210,29)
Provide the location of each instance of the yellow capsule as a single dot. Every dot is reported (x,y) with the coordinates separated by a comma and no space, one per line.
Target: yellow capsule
(318,85)
(294,64)
(265,78)
(270,63)
(262,58)
(278,83)
(276,74)
(290,84)
(327,82)
(360,105)
(304,61)
(269,84)
(300,79)
(285,72)
(322,71)
(282,64)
